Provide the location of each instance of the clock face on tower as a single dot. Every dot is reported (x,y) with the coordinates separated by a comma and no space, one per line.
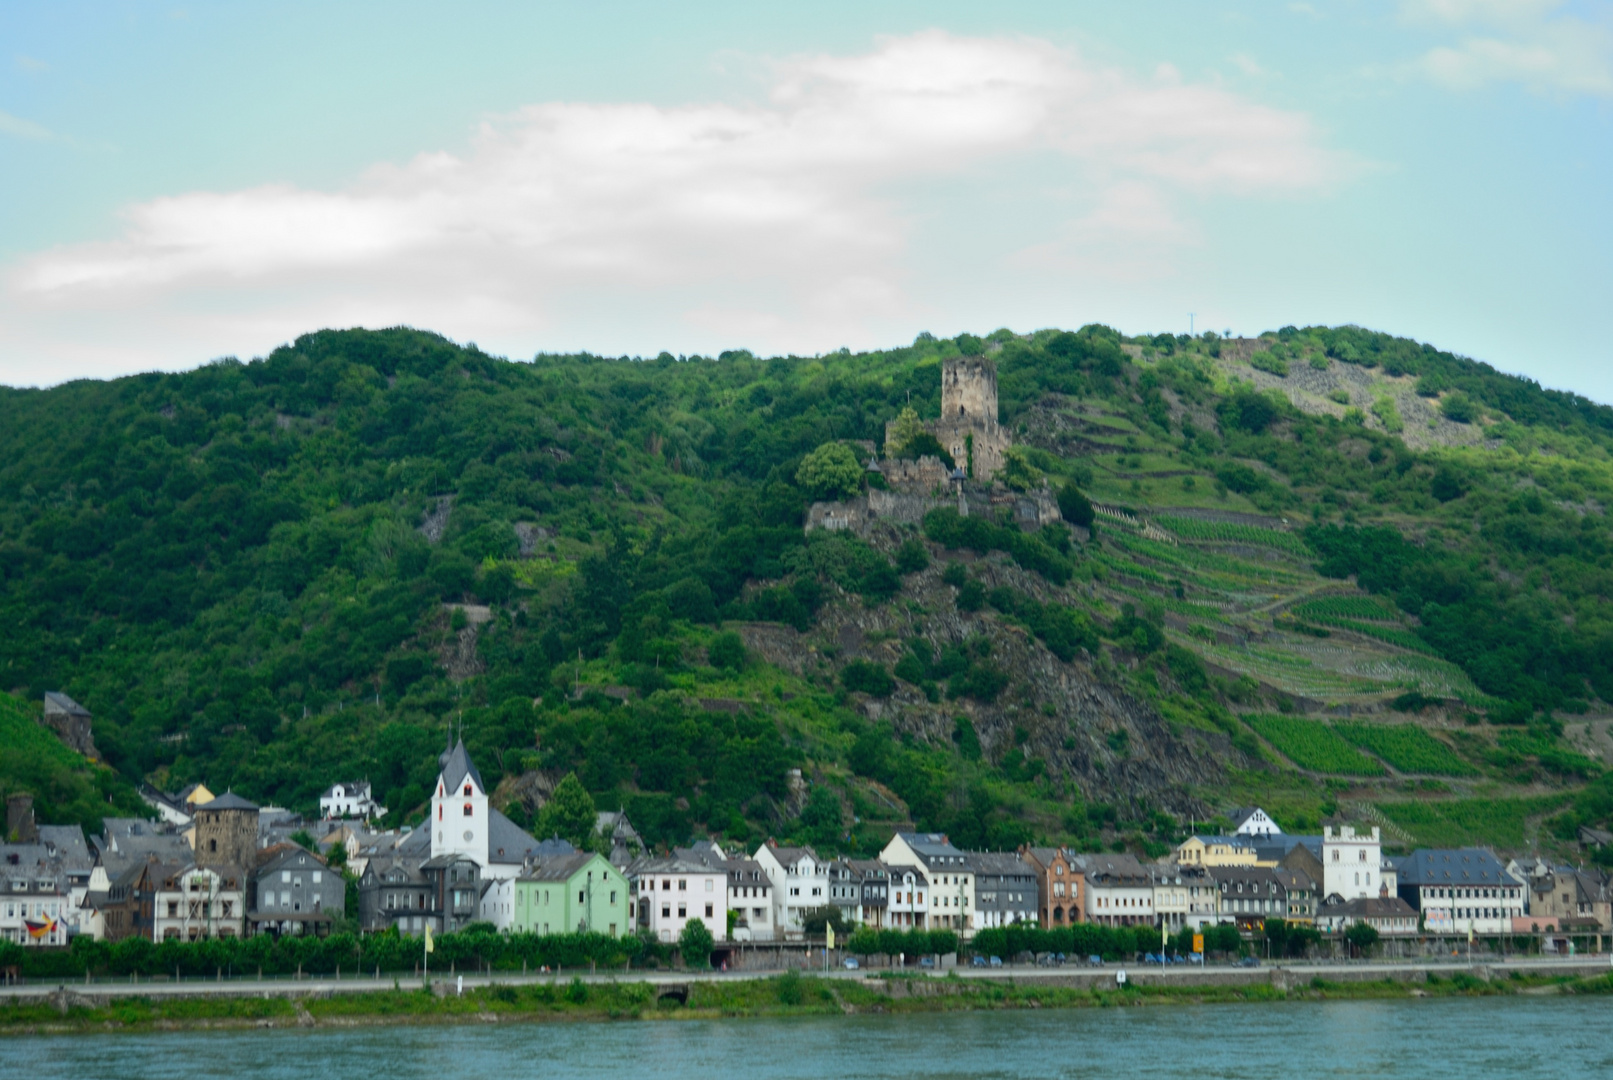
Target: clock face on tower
(469,835)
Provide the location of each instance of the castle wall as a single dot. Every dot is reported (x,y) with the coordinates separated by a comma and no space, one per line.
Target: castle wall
(925,474)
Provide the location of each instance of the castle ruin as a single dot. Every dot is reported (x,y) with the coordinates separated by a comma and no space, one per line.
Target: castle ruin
(968,426)
(969,431)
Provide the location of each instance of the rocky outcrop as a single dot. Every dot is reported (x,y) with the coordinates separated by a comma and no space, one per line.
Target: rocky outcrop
(1089,731)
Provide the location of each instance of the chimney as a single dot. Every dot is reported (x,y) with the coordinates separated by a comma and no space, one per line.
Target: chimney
(20,825)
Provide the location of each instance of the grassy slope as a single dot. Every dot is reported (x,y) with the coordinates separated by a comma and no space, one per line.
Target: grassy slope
(67,787)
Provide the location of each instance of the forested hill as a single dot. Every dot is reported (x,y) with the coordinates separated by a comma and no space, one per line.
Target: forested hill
(279,574)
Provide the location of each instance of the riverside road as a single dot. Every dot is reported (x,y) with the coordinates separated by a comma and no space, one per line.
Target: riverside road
(1078,976)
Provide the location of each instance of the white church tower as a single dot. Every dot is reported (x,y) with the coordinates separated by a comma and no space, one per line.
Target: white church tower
(460,818)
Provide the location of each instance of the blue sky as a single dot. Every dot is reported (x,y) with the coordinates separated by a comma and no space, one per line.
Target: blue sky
(179,183)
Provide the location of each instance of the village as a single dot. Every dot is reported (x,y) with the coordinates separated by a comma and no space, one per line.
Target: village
(217,866)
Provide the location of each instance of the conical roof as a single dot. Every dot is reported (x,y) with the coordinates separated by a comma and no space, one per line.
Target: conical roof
(458,765)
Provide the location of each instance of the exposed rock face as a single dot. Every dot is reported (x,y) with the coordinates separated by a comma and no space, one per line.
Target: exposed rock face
(436,520)
(1112,746)
(457,652)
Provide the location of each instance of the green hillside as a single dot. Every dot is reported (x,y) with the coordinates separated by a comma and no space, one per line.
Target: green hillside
(306,568)
(67,788)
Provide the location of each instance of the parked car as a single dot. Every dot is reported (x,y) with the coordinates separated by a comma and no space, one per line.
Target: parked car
(1249,961)
(996,961)
(927,961)
(978,961)
(1196,958)
(852,964)
(1150,958)
(1095,961)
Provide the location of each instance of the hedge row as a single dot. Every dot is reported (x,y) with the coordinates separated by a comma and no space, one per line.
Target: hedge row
(388,952)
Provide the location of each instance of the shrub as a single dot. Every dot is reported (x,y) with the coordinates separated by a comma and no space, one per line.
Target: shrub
(911,557)
(1076,507)
(862,677)
(727,651)
(696,943)
(1269,362)
(1458,408)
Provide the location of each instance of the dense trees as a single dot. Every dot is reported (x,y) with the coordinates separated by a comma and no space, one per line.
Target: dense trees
(275,574)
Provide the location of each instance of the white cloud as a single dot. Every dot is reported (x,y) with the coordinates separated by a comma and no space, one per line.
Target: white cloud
(1532,42)
(22,129)
(785,224)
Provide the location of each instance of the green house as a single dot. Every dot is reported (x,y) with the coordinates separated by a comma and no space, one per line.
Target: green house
(568,894)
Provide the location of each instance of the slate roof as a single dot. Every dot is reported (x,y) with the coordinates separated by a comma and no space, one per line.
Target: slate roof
(1116,869)
(1280,845)
(56,701)
(933,848)
(1453,866)
(1369,907)
(999,864)
(559,867)
(507,842)
(456,765)
(229,801)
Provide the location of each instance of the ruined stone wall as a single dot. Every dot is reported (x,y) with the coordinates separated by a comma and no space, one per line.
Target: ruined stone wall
(969,388)
(925,474)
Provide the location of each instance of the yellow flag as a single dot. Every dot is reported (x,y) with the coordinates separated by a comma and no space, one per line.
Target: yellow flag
(830,932)
(431,946)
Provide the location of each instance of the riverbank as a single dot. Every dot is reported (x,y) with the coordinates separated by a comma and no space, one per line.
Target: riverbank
(68,1010)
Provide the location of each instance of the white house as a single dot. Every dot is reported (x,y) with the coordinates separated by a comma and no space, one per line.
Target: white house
(1172,902)
(195,903)
(952,880)
(909,891)
(1352,863)
(1461,890)
(1253,821)
(671,893)
(1120,891)
(352,800)
(800,884)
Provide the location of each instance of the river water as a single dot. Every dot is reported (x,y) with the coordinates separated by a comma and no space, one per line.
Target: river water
(1467,1039)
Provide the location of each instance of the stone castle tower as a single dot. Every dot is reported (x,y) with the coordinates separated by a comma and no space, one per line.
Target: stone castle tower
(969,388)
(227,833)
(968,427)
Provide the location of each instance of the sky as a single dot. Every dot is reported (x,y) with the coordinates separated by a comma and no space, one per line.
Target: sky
(185,182)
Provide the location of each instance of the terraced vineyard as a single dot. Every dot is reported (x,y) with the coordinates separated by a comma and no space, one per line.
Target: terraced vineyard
(1407,747)
(1403,639)
(1502,823)
(1313,745)
(1369,608)
(1229,532)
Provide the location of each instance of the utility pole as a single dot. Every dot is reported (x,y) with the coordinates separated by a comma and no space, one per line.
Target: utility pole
(1190,316)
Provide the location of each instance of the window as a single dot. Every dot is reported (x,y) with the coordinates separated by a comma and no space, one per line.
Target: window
(708,885)
(683,884)
(666,911)
(467,789)
(683,911)
(319,876)
(708,911)
(468,810)
(285,876)
(613,901)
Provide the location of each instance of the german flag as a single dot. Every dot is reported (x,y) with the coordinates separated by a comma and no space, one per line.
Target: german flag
(37,930)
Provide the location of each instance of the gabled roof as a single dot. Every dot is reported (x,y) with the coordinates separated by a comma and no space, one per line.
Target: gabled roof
(456,765)
(559,867)
(507,842)
(56,701)
(999,864)
(931,847)
(1365,907)
(229,801)
(1454,866)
